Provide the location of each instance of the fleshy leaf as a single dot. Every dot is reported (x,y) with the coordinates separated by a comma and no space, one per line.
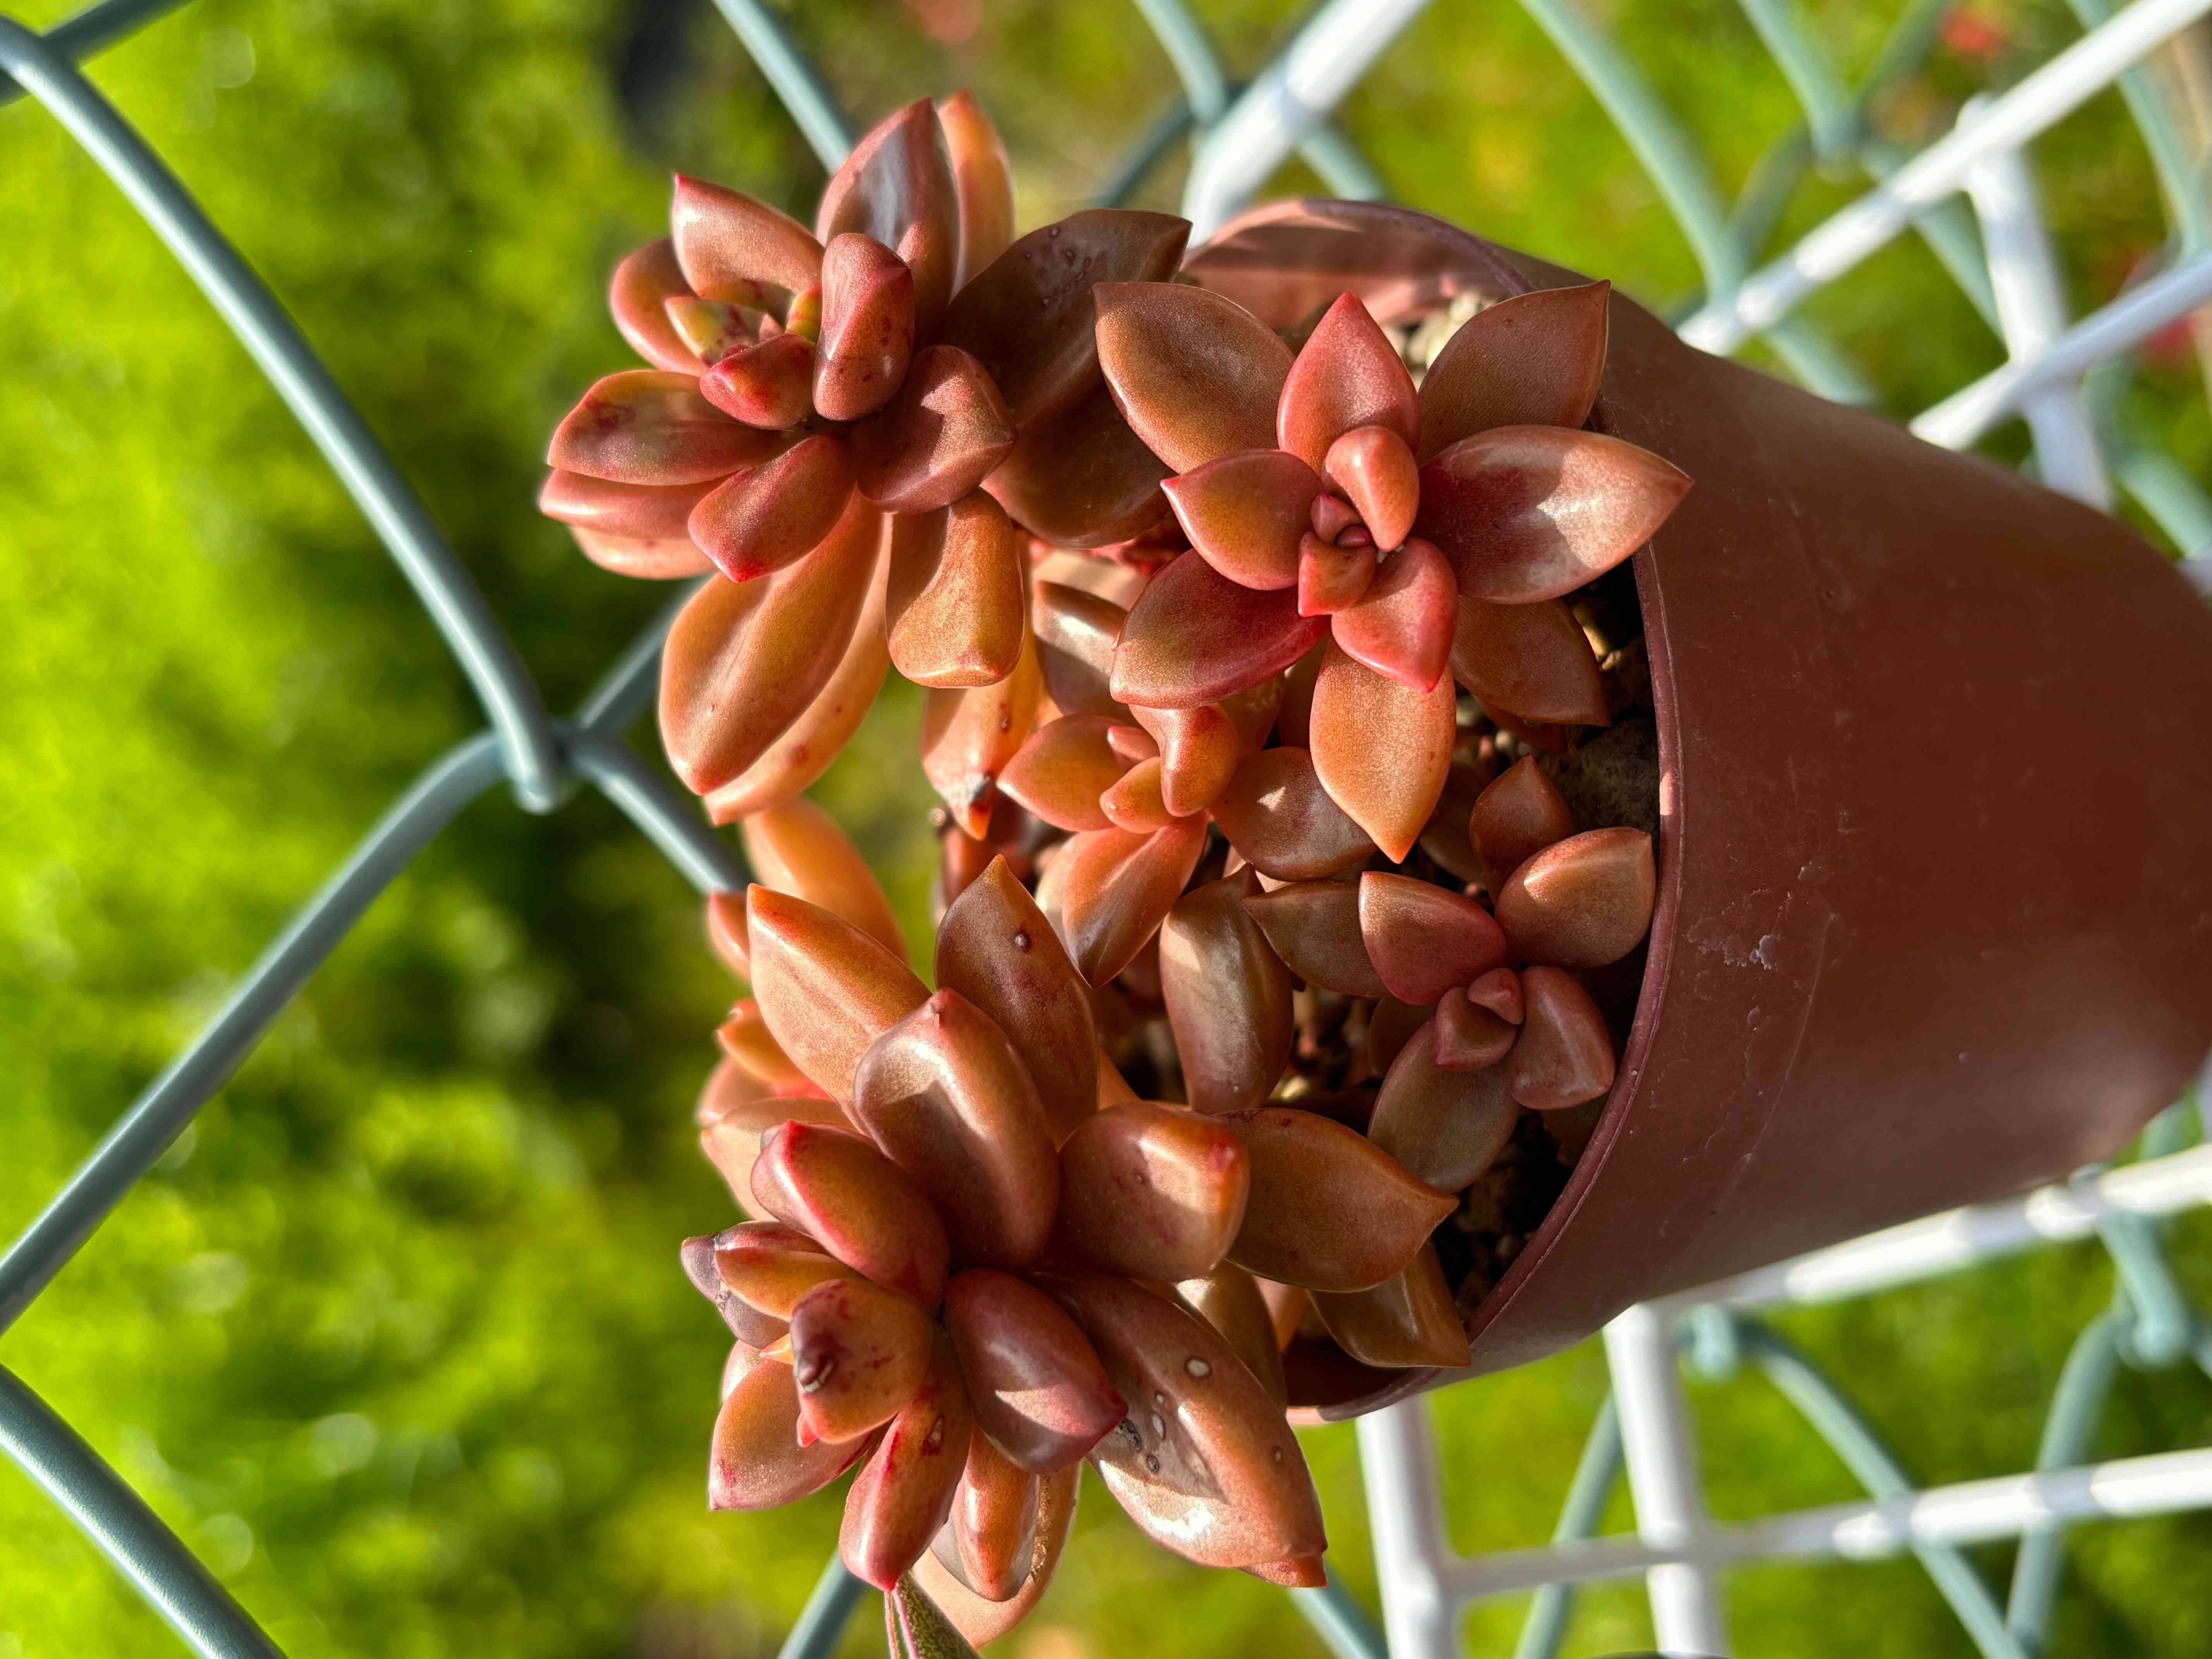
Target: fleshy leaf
(1409,1319)
(1195,636)
(713,329)
(745,660)
(1469,1037)
(982,1621)
(1228,997)
(1583,902)
(1060,772)
(956,600)
(1498,991)
(745,1039)
(1530,513)
(1229,1299)
(1532,661)
(726,932)
(945,1095)
(773,515)
(641,512)
(751,1327)
(828,990)
(1038,1390)
(1424,939)
(942,433)
(650,426)
(771,1265)
(1517,816)
(1331,578)
(1199,752)
(726,242)
(1204,1463)
(1196,375)
(1534,360)
(968,736)
(742,1111)
(650,558)
(1347,374)
(1076,633)
(1403,624)
(1134,801)
(1115,894)
(1150,1192)
(903,1492)
(897,187)
(982,184)
(861,1207)
(1081,478)
(1276,813)
(1329,1209)
(867,327)
(638,296)
(1380,748)
(798,848)
(1246,512)
(757,1462)
(1313,926)
(1374,466)
(1565,1055)
(769,385)
(858,1353)
(993,1526)
(1445,1127)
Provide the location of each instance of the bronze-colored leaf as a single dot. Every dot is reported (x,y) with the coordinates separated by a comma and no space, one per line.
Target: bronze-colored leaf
(751,1327)
(766,517)
(742,1109)
(1380,748)
(1500,992)
(1229,1299)
(946,1096)
(1348,375)
(1514,819)
(1583,902)
(1374,466)
(1444,837)
(1565,1055)
(858,1353)
(1313,926)
(757,1462)
(943,432)
(1060,772)
(1038,1390)
(1424,939)
(982,1621)
(993,1526)
(1196,375)
(746,1038)
(956,603)
(968,734)
(903,1492)
(1199,750)
(867,327)
(1114,896)
(771,1265)
(725,242)
(639,512)
(1135,801)
(1534,360)
(650,426)
(1445,1127)
(1150,1192)
(1204,1463)
(1391,1026)
(1329,1209)
(1081,478)
(1228,997)
(1331,578)
(1076,633)
(725,932)
(1530,513)
(1407,1319)
(637,296)
(982,184)
(858,1205)
(828,990)
(1276,813)
(798,848)
(897,187)
(1532,661)
(1245,512)
(649,558)
(769,385)
(1402,624)
(1470,1036)
(1195,636)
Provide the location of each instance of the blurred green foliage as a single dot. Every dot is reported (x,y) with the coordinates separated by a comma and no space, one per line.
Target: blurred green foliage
(395,1336)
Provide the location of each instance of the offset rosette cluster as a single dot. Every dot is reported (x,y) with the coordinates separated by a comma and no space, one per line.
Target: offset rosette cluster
(980,1260)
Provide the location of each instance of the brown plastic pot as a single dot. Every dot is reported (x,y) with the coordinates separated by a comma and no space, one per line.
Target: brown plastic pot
(1934,918)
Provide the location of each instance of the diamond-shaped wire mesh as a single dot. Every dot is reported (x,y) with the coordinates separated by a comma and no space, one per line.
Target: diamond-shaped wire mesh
(1993,245)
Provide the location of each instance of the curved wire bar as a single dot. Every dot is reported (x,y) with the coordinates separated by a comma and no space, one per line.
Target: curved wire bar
(170,1578)
(671,821)
(94,30)
(1596,1473)
(809,101)
(275,343)
(2076,1404)
(143,1133)
(1340,1622)
(829,1609)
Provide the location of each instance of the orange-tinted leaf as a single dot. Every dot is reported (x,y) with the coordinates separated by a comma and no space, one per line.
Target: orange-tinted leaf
(1407,1319)
(1402,624)
(652,558)
(956,603)
(1195,636)
(650,426)
(982,1620)
(771,1265)
(798,848)
(1076,633)
(637,295)
(1199,750)
(943,432)
(1196,375)
(639,512)
(1424,939)
(1060,772)
(1498,991)
(827,989)
(1446,1127)
(1228,997)
(982,184)
(1381,749)
(1517,816)
(713,329)
(903,1492)
(993,1527)
(1348,375)
(1150,1192)
(1532,661)
(751,1327)
(1229,1299)
(1245,512)
(726,242)
(858,1353)
(968,734)
(1133,801)
(771,516)
(897,187)
(1114,896)
(1038,1390)
(1313,926)
(1081,478)
(757,1462)
(1565,1055)
(1276,813)
(1534,360)
(857,1204)
(1583,902)
(769,385)
(1331,578)
(735,1110)
(867,327)
(1329,1209)
(745,1039)
(1374,465)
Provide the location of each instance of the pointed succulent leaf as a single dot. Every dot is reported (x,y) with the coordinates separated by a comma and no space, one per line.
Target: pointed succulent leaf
(1381,749)
(1081,478)
(1252,714)
(1038,1390)
(1517,817)
(1195,636)
(1329,1209)
(957,595)
(968,734)
(1347,374)
(746,1038)
(1530,513)
(915,1627)
(1498,991)
(1469,1037)
(638,294)
(858,1353)
(757,1462)
(903,1492)
(1403,624)
(1565,1055)
(993,1527)
(1424,939)
(1076,633)
(1199,750)
(1583,902)
(726,932)
(650,558)
(1134,801)
(798,848)
(1150,1192)
(861,1207)
(982,1620)
(1116,894)
(771,1266)
(1133,744)
(945,1095)
(725,242)
(751,1327)
(1229,1299)
(1446,1127)
(1245,512)
(1276,813)
(641,512)
(746,660)
(1389,1028)
(1028,315)
(742,1111)
(1296,1572)
(995,948)
(713,329)
(772,514)
(802,316)
(1313,926)
(1204,1463)
(1196,375)
(1534,360)
(897,187)
(828,990)
(1374,466)
(1444,837)
(1532,661)
(942,433)
(1409,1319)
(650,426)
(1331,578)
(982,184)
(867,327)
(769,385)
(1060,772)
(1228,997)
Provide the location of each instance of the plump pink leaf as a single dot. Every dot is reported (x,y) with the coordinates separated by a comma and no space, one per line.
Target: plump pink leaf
(1530,660)
(897,187)
(638,296)
(867,327)
(1381,749)
(1528,513)
(1195,636)
(1407,1319)
(1196,375)
(1038,1390)
(1199,749)
(1228,997)
(1534,360)
(651,558)
(1583,902)
(1229,1299)
(1403,624)
(1498,991)
(982,184)
(956,600)
(769,385)
(1116,897)
(1276,813)
(746,1038)
(1445,1126)
(982,1620)
(1424,939)
(903,1492)
(1331,578)
(736,1111)
(1468,1035)
(1565,1055)
(993,1526)
(1347,374)
(798,848)
(774,514)
(1329,1209)
(1373,465)
(1245,514)
(944,431)
(827,989)
(1313,926)
(858,1353)
(639,512)
(1150,1192)
(968,734)
(1076,633)
(725,242)
(1134,801)
(713,329)
(1081,478)
(1516,817)
(1060,772)
(757,1462)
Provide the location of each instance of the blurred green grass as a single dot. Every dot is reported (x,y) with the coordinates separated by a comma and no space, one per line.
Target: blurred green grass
(395,1336)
